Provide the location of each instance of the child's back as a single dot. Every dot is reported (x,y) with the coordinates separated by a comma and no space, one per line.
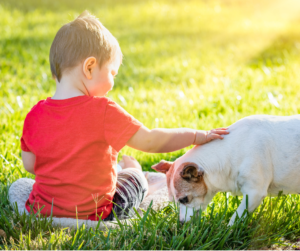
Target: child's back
(76,142)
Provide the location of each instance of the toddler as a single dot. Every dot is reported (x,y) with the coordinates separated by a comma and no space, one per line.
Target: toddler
(70,141)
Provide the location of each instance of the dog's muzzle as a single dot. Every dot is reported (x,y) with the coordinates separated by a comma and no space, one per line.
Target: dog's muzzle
(184,200)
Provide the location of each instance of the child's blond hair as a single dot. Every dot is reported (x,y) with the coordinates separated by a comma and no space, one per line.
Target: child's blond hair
(82,38)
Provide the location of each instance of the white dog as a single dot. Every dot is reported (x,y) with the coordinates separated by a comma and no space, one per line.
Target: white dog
(260,156)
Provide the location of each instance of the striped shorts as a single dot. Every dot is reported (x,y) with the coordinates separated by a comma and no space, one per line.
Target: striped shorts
(131,189)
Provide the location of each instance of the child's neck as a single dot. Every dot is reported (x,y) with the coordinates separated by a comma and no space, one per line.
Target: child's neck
(64,93)
(70,86)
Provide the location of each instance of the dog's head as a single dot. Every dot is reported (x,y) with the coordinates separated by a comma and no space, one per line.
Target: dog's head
(185,181)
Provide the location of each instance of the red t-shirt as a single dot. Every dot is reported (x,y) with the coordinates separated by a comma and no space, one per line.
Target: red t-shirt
(76,142)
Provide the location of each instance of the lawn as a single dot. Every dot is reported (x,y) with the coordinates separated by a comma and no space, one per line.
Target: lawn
(198,64)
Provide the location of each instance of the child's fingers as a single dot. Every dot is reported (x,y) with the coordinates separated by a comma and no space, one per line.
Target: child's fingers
(218,136)
(219,131)
(222,128)
(214,136)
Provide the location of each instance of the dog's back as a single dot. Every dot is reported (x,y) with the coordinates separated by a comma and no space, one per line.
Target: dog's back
(264,146)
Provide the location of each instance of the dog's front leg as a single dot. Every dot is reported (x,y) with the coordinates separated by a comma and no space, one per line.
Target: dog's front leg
(185,213)
(254,199)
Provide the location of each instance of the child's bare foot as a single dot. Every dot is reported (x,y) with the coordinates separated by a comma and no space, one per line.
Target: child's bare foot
(129,162)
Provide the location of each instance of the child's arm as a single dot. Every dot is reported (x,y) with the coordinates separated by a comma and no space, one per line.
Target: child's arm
(28,161)
(161,140)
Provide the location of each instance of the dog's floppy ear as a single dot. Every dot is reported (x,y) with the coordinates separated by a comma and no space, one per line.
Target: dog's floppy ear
(192,173)
(163,166)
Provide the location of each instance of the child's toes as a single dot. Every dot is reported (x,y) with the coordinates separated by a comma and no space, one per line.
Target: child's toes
(121,163)
(129,162)
(126,158)
(132,158)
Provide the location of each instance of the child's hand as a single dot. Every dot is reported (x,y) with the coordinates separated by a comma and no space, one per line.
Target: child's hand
(203,137)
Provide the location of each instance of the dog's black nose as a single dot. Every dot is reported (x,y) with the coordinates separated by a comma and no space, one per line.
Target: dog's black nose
(184,200)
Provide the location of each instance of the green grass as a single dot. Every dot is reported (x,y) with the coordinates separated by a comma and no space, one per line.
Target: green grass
(198,64)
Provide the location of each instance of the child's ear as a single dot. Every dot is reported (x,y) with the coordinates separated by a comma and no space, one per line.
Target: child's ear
(88,67)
